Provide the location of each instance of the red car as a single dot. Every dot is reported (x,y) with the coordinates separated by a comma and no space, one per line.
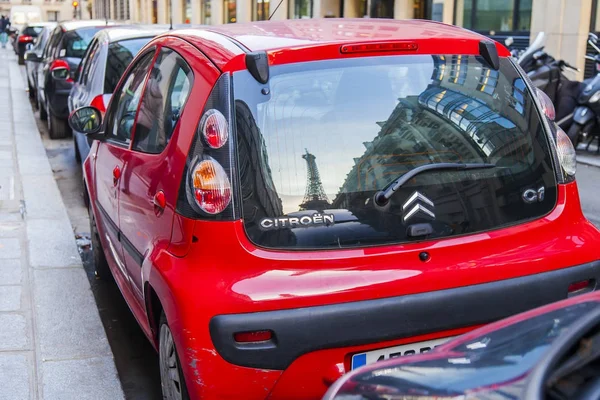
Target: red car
(280,202)
(552,352)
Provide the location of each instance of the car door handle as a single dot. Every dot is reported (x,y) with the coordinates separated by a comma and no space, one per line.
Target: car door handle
(116,175)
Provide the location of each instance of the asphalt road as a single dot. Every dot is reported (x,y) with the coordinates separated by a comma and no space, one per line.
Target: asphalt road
(136,360)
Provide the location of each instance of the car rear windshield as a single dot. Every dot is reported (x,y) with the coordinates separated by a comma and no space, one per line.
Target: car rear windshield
(33,30)
(75,42)
(323,138)
(119,57)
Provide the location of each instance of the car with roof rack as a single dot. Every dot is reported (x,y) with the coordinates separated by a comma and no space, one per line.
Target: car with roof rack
(281,202)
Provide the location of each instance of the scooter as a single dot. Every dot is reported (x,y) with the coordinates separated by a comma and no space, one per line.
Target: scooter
(548,74)
(586,122)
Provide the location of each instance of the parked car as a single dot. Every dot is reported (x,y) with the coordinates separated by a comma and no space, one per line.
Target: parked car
(106,58)
(274,198)
(66,46)
(27,36)
(33,59)
(552,352)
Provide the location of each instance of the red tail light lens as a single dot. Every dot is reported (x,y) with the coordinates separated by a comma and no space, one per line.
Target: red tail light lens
(376,47)
(25,39)
(212,190)
(251,337)
(215,130)
(546,103)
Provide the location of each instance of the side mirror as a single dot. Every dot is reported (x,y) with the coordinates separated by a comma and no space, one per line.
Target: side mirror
(87,120)
(32,56)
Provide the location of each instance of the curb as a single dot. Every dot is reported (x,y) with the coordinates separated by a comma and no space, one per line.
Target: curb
(72,356)
(588,160)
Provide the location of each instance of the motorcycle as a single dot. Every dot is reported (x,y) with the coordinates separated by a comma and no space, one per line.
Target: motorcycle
(549,75)
(586,118)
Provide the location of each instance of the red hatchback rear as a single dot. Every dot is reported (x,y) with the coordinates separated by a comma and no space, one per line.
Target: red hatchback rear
(285,201)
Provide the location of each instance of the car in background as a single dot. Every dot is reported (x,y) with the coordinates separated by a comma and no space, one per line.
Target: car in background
(552,352)
(106,58)
(61,57)
(33,60)
(277,203)
(28,36)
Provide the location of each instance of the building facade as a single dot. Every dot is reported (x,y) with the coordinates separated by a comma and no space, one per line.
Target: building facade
(566,22)
(52,10)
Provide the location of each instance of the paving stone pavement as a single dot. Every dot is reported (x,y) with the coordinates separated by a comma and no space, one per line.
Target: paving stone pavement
(52,342)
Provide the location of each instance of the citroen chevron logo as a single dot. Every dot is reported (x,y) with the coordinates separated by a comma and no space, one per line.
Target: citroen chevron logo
(417,203)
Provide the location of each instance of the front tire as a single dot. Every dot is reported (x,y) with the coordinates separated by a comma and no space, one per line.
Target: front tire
(21,58)
(76,149)
(171,375)
(575,131)
(42,108)
(102,270)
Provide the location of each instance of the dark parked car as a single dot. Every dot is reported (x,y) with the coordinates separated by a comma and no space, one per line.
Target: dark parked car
(103,64)
(552,352)
(28,35)
(66,46)
(33,59)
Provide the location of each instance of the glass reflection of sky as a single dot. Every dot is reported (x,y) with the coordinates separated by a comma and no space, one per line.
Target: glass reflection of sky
(332,112)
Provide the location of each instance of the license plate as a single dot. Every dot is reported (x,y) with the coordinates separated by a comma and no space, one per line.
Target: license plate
(360,359)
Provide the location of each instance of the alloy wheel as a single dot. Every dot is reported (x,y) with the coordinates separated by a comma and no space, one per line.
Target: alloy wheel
(170,379)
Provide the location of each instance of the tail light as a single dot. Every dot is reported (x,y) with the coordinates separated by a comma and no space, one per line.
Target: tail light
(566,154)
(546,104)
(206,190)
(60,70)
(25,39)
(212,190)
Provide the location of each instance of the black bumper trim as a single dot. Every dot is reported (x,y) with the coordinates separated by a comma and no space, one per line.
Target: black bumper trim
(302,330)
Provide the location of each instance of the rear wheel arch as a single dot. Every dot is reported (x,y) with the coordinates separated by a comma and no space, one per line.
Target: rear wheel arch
(154,309)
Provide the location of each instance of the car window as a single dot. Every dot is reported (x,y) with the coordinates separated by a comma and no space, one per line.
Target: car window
(41,41)
(87,62)
(123,110)
(32,30)
(76,42)
(52,42)
(119,57)
(167,90)
(330,135)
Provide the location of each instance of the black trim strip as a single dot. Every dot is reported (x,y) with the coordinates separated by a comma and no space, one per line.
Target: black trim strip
(127,245)
(302,330)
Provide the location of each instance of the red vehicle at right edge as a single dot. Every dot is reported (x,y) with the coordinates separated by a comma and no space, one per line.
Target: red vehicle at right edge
(282,202)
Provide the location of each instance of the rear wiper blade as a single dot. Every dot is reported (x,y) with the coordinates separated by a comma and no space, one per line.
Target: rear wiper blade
(383,196)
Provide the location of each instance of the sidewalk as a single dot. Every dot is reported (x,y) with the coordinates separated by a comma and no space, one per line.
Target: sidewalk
(52,342)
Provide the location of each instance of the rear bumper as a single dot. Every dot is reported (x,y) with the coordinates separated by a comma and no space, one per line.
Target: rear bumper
(304,330)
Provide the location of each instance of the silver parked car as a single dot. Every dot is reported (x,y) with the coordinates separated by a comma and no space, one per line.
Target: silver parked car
(33,58)
(107,57)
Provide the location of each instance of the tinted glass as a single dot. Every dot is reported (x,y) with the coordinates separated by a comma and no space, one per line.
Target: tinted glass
(75,42)
(120,55)
(123,110)
(330,134)
(166,92)
(83,71)
(32,30)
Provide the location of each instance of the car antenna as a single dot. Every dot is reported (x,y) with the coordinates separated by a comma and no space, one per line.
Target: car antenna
(275,10)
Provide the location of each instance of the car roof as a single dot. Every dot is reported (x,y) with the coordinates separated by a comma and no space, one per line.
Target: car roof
(71,25)
(266,35)
(132,32)
(43,24)
(305,33)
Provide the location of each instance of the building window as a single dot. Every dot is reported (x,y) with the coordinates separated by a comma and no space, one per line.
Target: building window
(303,8)
(381,9)
(497,16)
(229,11)
(261,10)
(187,11)
(206,12)
(154,11)
(53,15)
